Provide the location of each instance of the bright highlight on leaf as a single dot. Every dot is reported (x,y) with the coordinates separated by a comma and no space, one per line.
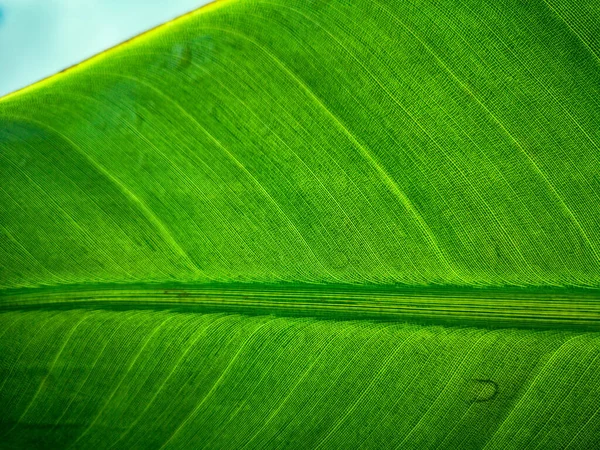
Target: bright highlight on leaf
(324,224)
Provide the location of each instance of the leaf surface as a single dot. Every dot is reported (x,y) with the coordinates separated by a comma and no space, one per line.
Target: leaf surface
(367,224)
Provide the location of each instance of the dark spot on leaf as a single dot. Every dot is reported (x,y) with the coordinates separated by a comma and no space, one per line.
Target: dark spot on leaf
(177,292)
(139,120)
(481,390)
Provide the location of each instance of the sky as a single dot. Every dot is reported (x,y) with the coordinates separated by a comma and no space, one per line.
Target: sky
(41,37)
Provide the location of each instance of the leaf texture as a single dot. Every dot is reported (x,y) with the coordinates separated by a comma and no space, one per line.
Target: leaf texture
(309,224)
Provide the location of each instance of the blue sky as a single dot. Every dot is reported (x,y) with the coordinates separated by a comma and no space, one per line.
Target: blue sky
(41,37)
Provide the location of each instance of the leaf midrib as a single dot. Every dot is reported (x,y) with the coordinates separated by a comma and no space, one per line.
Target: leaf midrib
(515,307)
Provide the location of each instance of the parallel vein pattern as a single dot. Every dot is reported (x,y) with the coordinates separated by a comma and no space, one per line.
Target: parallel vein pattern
(309,224)
(368,143)
(185,380)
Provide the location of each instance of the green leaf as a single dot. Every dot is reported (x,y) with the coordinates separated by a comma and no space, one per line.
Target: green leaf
(292,224)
